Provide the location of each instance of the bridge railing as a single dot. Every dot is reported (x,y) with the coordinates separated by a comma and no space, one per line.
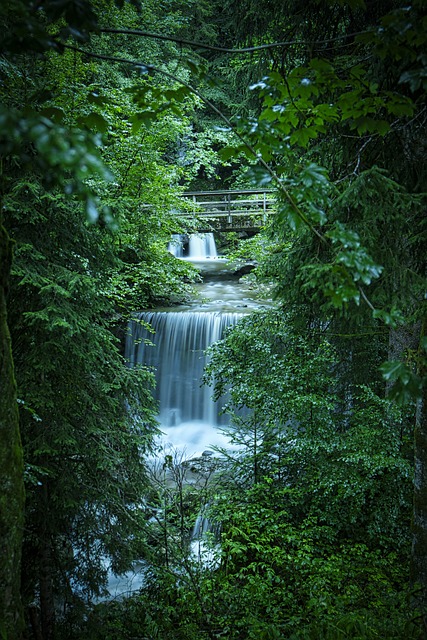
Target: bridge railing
(231,208)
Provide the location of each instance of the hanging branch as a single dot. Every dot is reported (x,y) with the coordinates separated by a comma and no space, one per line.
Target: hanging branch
(208,47)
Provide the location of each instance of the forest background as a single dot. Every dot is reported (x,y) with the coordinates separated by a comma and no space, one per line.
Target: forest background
(111,106)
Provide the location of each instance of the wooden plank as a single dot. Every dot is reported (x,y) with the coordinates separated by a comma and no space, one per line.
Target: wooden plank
(220,192)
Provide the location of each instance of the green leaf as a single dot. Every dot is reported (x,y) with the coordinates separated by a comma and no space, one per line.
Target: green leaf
(407,385)
(303,136)
(53,113)
(366,124)
(392,318)
(313,174)
(392,369)
(322,65)
(94,121)
(226,153)
(399,105)
(259,176)
(382,127)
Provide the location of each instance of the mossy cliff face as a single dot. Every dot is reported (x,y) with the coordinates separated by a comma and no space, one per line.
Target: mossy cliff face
(11,469)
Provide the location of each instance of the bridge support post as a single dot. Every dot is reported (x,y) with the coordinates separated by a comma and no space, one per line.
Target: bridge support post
(229,216)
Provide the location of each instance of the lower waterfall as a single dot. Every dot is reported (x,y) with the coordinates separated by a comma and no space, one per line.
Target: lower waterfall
(187,414)
(176,351)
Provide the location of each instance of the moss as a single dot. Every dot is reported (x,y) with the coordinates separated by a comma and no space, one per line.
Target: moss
(11,465)
(419,524)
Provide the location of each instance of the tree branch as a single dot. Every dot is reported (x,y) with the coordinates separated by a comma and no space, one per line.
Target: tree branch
(201,45)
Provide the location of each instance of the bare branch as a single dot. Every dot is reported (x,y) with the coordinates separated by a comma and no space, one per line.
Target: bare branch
(366,299)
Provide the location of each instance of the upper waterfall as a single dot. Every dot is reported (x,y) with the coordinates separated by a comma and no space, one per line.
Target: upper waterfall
(201,246)
(196,246)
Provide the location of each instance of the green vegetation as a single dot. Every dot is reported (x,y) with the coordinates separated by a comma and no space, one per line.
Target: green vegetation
(109,111)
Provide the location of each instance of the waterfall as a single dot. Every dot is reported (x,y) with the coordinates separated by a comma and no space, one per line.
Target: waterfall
(204,543)
(175,246)
(187,413)
(201,246)
(196,246)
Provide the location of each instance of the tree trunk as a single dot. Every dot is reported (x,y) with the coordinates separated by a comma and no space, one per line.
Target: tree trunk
(419,543)
(47,604)
(11,469)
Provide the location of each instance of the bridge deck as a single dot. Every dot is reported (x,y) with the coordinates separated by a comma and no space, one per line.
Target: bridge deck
(230,210)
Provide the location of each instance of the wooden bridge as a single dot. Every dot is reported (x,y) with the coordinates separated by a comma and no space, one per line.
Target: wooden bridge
(229,210)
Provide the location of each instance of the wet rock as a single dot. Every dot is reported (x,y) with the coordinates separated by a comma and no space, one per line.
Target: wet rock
(244,269)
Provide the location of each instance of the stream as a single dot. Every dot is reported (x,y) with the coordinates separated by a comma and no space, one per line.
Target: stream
(190,422)
(189,419)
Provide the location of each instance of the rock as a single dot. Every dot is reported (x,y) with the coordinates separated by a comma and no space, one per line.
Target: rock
(244,269)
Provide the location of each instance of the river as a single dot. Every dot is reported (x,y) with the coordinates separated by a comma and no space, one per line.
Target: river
(188,417)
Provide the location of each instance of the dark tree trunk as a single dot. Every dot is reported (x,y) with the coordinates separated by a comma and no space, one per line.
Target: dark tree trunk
(11,469)
(47,606)
(419,544)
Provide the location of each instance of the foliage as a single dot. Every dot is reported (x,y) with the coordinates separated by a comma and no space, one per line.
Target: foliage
(315,502)
(86,419)
(349,241)
(315,544)
(311,488)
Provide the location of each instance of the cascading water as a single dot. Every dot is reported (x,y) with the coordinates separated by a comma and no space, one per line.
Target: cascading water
(175,246)
(188,415)
(201,246)
(196,246)
(204,544)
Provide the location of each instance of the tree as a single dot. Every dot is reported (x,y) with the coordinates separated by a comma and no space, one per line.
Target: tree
(12,485)
(73,286)
(56,155)
(325,273)
(15,129)
(329,481)
(318,91)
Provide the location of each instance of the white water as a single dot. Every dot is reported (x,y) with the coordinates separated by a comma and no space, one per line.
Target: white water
(188,416)
(190,421)
(197,246)
(202,246)
(175,246)
(204,545)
